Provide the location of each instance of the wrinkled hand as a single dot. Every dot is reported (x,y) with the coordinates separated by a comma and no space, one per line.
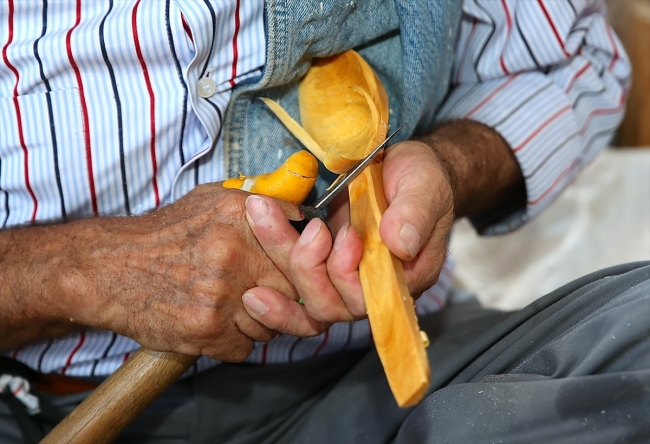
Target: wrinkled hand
(420,212)
(415,226)
(175,278)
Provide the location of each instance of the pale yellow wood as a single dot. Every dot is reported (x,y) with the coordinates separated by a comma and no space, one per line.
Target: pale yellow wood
(390,307)
(344,109)
(345,105)
(292,181)
(120,398)
(295,129)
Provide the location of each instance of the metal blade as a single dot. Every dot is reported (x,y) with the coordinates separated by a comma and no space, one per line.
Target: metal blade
(344,179)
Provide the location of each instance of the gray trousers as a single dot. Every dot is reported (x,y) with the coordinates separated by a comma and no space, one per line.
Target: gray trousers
(573,367)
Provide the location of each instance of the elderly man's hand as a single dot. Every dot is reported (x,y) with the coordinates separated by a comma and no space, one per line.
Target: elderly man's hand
(325,271)
(176,282)
(172,280)
(463,168)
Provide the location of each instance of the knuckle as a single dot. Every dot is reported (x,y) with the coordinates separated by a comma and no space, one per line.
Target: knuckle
(283,324)
(203,325)
(326,313)
(237,350)
(314,329)
(322,328)
(266,335)
(223,254)
(358,310)
(242,352)
(187,349)
(270,236)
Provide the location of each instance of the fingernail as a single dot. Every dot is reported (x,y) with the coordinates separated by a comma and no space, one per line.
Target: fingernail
(340,237)
(257,209)
(255,304)
(410,237)
(313,228)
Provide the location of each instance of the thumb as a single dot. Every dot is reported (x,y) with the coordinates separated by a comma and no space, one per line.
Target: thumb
(418,195)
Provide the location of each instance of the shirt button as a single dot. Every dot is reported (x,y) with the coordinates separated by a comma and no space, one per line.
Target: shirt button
(206,87)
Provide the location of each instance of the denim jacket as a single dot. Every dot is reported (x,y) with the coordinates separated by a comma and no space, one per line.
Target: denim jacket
(409,44)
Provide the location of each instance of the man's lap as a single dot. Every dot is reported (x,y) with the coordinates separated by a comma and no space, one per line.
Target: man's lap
(577,369)
(531,375)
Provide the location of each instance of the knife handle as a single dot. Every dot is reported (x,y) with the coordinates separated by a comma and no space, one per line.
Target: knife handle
(300,215)
(308,213)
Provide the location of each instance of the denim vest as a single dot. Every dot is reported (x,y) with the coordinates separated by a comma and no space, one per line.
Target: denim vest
(409,44)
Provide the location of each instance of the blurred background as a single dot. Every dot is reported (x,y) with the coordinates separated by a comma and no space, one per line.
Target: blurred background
(631,21)
(603,219)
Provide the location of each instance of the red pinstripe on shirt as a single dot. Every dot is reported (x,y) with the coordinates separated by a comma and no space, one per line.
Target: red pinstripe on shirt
(508,31)
(544,124)
(326,336)
(553,27)
(489,97)
(577,76)
(235,50)
(82,339)
(614,48)
(601,111)
(19,119)
(152,103)
(265,350)
(554,184)
(187,29)
(84,109)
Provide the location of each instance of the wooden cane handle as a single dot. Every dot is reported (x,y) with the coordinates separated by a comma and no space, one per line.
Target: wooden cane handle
(120,398)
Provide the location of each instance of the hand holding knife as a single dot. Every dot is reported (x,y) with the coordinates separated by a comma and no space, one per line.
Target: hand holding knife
(300,215)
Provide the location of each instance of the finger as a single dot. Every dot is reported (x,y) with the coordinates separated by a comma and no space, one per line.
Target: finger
(418,196)
(275,235)
(423,272)
(343,269)
(276,312)
(308,267)
(252,328)
(235,347)
(338,212)
(271,227)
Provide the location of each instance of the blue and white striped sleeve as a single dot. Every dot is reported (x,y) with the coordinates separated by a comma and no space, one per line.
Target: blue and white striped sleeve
(551,77)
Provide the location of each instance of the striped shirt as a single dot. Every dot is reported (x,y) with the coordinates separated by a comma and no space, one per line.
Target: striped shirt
(115,108)
(551,77)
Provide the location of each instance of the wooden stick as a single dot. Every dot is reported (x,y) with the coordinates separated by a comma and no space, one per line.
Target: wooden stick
(389,305)
(120,398)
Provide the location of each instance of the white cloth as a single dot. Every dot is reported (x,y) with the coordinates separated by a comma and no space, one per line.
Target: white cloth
(602,220)
(20,388)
